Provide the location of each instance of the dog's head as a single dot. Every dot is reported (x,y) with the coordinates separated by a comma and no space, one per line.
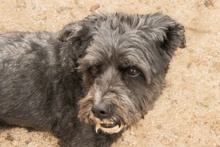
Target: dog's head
(123,59)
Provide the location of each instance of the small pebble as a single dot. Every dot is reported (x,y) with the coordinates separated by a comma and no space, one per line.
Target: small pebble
(15,143)
(94,7)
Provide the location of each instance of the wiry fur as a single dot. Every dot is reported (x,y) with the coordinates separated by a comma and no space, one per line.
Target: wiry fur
(44,76)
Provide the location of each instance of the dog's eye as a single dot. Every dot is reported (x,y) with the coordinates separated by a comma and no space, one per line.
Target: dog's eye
(94,70)
(132,71)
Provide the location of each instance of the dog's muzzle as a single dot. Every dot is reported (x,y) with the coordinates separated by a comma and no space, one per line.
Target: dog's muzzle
(104,119)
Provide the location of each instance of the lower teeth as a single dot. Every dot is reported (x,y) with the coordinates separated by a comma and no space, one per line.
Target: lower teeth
(108,125)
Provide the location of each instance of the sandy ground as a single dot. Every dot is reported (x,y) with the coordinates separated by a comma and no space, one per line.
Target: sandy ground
(188,112)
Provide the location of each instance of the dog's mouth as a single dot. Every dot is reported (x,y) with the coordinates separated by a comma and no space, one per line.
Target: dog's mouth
(109,127)
(108,124)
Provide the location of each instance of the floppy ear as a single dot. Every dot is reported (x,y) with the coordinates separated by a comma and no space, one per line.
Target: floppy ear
(168,34)
(77,35)
(175,37)
(69,31)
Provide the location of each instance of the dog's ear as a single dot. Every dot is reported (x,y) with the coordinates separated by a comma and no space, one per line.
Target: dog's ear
(77,35)
(69,31)
(168,34)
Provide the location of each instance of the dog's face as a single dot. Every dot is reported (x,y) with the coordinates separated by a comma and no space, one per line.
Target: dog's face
(123,60)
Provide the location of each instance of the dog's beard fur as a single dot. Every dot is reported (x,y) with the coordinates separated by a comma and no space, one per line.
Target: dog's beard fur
(128,97)
(108,47)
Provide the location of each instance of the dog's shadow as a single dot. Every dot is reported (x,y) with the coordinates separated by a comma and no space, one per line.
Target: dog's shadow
(4,126)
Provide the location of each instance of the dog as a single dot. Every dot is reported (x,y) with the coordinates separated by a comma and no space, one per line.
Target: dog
(90,81)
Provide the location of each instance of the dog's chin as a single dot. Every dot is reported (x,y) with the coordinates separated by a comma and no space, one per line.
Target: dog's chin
(109,127)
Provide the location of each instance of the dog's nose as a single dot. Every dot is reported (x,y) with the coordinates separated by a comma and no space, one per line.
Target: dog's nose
(101,111)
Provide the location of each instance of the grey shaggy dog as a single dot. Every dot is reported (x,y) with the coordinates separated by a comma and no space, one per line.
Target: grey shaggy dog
(89,82)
